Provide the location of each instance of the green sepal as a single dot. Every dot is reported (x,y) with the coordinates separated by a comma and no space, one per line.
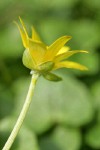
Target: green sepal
(52,77)
(45,67)
(28,60)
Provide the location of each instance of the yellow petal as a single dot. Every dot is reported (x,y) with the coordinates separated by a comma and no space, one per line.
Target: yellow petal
(37,50)
(23,33)
(63,50)
(35,35)
(69,64)
(24,36)
(55,47)
(23,25)
(68,54)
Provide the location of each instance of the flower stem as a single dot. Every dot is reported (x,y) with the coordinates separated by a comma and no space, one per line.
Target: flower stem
(22,115)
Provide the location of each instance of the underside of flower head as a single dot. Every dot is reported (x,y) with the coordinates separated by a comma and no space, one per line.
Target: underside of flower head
(42,58)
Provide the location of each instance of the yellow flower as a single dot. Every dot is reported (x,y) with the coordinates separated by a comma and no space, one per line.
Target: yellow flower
(42,58)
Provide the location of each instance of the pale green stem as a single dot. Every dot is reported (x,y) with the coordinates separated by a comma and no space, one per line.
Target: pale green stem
(22,115)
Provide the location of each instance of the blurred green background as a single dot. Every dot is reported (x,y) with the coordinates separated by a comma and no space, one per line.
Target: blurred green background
(64,115)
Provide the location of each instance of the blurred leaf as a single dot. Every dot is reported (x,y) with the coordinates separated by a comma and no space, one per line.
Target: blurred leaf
(67,138)
(6,103)
(96,98)
(61,102)
(96,94)
(46,143)
(62,139)
(93,137)
(68,99)
(25,139)
(85,34)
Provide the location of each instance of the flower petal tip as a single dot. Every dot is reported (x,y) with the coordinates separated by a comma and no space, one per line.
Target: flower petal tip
(20,18)
(84,69)
(85,51)
(68,37)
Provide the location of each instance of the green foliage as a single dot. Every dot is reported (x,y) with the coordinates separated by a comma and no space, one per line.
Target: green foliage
(93,136)
(63,115)
(69,136)
(62,138)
